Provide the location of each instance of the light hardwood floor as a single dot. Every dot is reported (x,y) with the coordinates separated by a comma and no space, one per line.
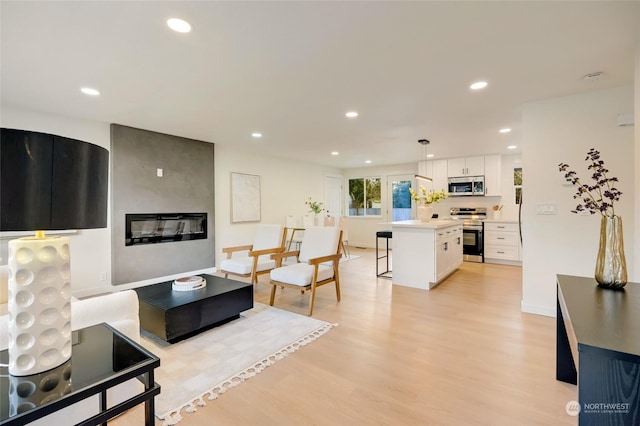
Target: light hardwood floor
(460,354)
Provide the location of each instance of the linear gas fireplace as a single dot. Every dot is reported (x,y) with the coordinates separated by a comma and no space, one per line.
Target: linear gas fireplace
(155,228)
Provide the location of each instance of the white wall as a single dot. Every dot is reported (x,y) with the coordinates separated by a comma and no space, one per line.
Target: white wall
(90,248)
(285,186)
(563,130)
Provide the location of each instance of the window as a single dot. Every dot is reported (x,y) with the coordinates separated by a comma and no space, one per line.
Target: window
(517,183)
(364,197)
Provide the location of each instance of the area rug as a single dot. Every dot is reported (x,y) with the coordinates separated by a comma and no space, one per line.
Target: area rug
(210,363)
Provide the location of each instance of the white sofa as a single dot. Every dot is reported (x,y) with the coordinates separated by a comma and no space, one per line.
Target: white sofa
(120,310)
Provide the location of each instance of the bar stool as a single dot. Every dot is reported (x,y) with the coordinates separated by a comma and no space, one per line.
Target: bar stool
(386,235)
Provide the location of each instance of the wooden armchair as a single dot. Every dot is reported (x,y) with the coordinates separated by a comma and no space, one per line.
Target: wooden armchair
(320,246)
(268,239)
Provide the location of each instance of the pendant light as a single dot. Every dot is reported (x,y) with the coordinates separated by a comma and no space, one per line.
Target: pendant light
(424,143)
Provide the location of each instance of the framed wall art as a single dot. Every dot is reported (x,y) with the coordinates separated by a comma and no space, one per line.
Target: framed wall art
(245,197)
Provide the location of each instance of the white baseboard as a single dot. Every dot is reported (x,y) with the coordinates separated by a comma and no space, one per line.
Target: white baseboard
(538,310)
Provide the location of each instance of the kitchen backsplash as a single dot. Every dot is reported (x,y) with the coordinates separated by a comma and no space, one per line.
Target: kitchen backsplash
(509,210)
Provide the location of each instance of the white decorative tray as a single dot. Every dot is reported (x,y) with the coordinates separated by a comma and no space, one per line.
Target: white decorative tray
(189,283)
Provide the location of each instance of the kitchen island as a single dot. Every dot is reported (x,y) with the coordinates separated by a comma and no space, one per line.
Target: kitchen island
(425,253)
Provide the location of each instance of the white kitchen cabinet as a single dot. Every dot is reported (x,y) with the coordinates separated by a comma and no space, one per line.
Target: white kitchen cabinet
(425,253)
(502,243)
(448,251)
(465,166)
(437,171)
(492,175)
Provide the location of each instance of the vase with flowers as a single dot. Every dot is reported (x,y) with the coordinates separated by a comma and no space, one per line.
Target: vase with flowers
(316,208)
(424,201)
(600,197)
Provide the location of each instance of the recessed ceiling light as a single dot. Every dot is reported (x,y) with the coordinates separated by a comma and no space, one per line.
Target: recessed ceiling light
(429,155)
(179,25)
(368,161)
(335,153)
(89,91)
(478,85)
(352,114)
(256,135)
(511,147)
(505,130)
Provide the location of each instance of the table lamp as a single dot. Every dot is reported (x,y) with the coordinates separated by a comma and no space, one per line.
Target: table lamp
(47,182)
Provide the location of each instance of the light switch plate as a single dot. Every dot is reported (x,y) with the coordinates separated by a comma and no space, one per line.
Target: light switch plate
(545,209)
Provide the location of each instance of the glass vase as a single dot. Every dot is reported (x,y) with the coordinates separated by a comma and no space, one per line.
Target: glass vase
(611,266)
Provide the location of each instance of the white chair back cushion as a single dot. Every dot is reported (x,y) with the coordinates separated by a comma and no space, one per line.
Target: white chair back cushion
(308,220)
(291,222)
(267,236)
(319,241)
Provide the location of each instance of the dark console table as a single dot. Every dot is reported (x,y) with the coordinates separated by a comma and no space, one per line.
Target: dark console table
(172,315)
(101,358)
(598,348)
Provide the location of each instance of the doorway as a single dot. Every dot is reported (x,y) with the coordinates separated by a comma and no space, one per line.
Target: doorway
(333,196)
(399,204)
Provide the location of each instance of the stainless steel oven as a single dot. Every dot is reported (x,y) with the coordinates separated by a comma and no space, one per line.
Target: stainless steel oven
(472,231)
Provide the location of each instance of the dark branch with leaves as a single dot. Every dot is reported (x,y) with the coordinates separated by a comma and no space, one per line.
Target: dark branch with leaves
(598,197)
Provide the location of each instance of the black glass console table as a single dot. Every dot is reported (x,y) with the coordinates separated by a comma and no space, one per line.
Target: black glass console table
(101,358)
(598,348)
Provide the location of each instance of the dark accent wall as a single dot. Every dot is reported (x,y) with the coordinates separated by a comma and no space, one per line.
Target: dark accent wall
(187,186)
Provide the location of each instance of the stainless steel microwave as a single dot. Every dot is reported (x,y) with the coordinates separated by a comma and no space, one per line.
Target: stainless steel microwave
(467,185)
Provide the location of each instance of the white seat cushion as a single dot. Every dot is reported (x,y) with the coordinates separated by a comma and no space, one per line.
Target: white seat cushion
(300,274)
(243,265)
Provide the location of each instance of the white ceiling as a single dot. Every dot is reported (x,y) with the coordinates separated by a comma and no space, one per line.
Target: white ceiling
(291,70)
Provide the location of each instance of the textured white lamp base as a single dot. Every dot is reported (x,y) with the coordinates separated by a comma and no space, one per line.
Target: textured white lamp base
(39,304)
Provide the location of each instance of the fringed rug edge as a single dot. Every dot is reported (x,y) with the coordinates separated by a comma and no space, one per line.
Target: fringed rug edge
(173,417)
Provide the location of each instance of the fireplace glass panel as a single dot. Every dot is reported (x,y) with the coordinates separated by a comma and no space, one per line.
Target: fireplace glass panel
(164,227)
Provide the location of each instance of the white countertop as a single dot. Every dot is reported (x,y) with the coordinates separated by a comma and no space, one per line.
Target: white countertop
(432,224)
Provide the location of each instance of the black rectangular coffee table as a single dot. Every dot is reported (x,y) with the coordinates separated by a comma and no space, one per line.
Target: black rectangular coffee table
(172,315)
(101,358)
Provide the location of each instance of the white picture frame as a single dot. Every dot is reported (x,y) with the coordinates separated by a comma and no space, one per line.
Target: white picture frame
(245,197)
